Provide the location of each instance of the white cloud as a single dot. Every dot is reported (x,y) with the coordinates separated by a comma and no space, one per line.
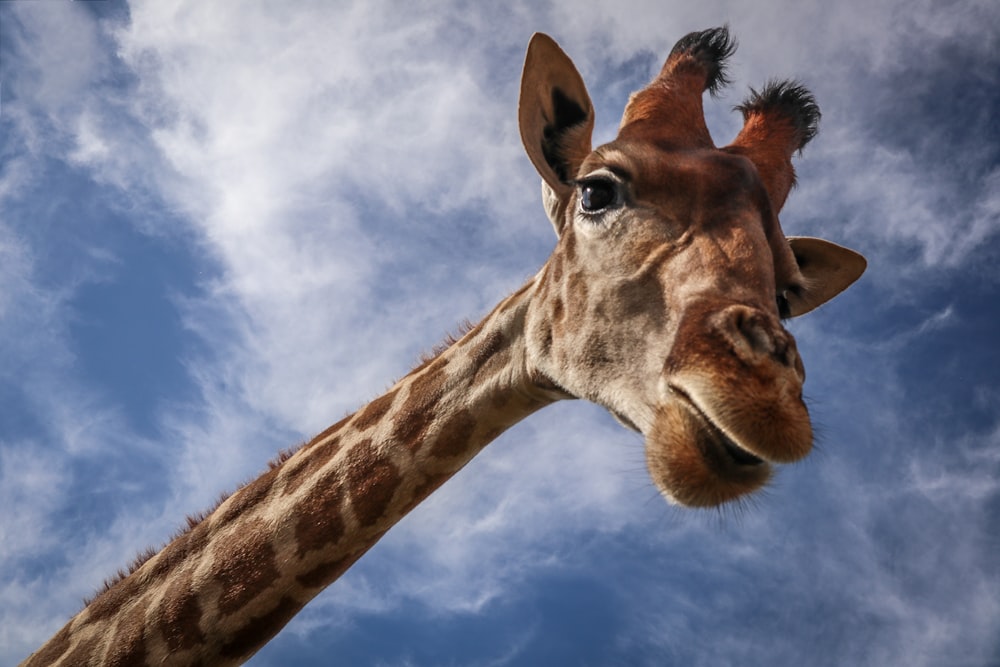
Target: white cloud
(54,73)
(28,483)
(276,143)
(275,136)
(893,203)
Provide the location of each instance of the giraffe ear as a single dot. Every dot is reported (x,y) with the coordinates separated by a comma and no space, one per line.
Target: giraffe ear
(828,270)
(556,120)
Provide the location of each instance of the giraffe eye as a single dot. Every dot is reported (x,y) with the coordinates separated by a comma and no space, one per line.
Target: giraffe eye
(784,307)
(597,194)
(784,304)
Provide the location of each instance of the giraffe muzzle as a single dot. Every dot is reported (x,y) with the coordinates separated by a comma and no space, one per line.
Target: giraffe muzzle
(731,405)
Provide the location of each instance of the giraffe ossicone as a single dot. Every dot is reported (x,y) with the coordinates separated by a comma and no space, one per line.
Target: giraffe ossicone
(662,301)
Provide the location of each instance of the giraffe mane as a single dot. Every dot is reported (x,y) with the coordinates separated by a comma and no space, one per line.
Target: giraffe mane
(190,522)
(464,327)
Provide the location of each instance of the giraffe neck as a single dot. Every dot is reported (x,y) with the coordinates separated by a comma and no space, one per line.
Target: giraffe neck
(221,590)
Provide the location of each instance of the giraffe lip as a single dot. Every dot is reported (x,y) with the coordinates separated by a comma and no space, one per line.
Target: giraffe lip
(624,421)
(732,450)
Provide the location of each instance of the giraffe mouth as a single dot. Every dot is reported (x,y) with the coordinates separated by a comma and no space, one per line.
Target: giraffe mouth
(624,421)
(724,444)
(693,461)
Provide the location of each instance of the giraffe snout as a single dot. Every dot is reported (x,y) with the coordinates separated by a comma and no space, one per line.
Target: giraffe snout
(741,372)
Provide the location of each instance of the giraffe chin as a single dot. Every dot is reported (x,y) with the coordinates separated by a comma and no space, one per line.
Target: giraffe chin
(694,463)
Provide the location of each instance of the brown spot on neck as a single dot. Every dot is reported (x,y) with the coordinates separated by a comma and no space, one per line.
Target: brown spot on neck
(244,565)
(371,480)
(319,522)
(179,615)
(373,412)
(415,416)
(259,630)
(310,462)
(455,436)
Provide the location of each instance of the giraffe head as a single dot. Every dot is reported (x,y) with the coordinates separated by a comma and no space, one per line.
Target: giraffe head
(664,298)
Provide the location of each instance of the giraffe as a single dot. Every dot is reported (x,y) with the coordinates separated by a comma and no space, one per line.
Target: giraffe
(663,301)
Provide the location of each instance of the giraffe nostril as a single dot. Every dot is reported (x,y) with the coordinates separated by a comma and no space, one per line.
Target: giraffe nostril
(754,336)
(742,328)
(754,331)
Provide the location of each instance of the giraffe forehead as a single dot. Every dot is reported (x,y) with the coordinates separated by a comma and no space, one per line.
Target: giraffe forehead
(704,194)
(657,171)
(670,196)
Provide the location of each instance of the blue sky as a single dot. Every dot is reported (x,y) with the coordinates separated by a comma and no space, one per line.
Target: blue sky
(225,225)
